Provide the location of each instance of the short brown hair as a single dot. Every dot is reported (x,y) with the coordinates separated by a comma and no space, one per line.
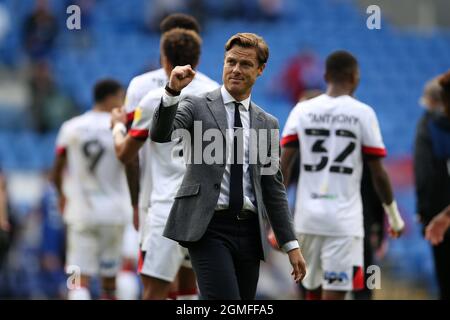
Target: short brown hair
(444,81)
(179,20)
(181,47)
(250,40)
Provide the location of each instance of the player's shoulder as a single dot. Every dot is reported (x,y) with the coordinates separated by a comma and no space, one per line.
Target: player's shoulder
(357,103)
(206,80)
(75,122)
(359,106)
(155,78)
(195,97)
(310,104)
(151,97)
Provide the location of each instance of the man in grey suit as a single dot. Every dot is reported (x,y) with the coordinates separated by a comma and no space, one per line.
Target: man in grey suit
(222,208)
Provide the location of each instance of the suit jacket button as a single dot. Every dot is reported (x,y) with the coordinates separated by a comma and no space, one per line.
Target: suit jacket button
(216,186)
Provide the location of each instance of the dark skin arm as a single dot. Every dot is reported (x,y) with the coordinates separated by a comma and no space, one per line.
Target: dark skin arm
(57,178)
(382,185)
(4,223)
(288,155)
(380,180)
(132,173)
(127,148)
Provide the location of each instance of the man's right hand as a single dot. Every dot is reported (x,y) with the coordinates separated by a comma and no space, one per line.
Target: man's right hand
(180,77)
(437,227)
(298,265)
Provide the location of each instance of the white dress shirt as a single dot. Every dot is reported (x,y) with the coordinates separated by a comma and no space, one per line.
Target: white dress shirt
(249,195)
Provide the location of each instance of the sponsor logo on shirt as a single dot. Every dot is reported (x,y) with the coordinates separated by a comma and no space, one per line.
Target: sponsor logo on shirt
(323,196)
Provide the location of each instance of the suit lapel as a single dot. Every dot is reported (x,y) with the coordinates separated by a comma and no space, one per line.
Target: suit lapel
(217,108)
(256,117)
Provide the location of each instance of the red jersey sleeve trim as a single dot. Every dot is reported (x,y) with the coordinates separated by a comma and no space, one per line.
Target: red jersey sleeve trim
(60,151)
(372,151)
(140,134)
(130,118)
(287,139)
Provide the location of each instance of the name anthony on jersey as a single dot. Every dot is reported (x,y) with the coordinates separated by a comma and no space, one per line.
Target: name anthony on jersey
(329,118)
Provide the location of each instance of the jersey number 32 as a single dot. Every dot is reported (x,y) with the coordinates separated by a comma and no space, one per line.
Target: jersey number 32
(319,148)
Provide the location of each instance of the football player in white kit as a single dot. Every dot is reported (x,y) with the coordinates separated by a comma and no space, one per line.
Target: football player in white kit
(138,170)
(93,193)
(334,134)
(163,257)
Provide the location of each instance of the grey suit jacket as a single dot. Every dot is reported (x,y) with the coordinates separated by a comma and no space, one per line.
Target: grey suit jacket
(197,197)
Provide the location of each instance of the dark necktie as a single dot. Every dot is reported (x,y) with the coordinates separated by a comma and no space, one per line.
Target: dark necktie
(236,170)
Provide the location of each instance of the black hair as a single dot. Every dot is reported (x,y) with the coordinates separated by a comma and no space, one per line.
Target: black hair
(105,88)
(179,20)
(340,66)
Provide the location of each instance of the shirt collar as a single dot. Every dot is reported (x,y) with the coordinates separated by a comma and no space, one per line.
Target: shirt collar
(228,98)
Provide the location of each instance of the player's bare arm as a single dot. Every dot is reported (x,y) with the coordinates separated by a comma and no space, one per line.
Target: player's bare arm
(383,188)
(57,177)
(126,147)
(132,173)
(288,155)
(4,223)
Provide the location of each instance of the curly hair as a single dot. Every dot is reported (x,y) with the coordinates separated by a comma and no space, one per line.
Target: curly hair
(179,20)
(181,47)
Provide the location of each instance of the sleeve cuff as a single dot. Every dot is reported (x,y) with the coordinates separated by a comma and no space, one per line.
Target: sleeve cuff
(139,134)
(374,151)
(291,245)
(168,101)
(60,150)
(289,139)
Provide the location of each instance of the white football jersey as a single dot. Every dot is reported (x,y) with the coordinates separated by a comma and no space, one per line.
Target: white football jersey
(166,162)
(333,134)
(138,88)
(95,183)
